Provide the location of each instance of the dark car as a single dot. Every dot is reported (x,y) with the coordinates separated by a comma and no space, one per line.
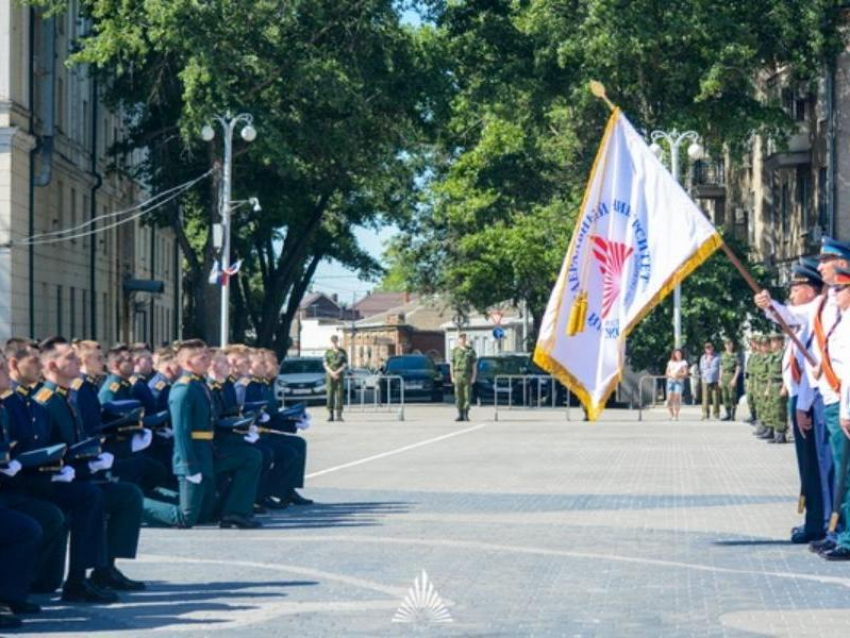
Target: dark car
(421,379)
(487,385)
(445,371)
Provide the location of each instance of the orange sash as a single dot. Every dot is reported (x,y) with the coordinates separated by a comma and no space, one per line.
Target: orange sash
(823,346)
(796,373)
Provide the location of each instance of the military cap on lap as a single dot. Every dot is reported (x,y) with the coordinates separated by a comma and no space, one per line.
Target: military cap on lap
(43,456)
(86,449)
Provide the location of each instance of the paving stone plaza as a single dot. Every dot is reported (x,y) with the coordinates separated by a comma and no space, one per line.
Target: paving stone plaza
(531,525)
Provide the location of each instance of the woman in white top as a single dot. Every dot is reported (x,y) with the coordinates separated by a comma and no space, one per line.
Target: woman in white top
(677,372)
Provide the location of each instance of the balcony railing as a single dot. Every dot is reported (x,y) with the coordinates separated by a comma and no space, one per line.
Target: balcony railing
(709,179)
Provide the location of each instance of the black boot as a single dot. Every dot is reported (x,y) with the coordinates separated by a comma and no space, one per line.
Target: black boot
(760,430)
(466,414)
(459,415)
(778,437)
(331,416)
(339,416)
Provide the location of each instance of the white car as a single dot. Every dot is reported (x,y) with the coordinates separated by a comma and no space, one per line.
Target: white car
(301,380)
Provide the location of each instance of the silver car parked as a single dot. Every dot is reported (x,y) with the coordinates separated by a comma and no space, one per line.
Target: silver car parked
(301,380)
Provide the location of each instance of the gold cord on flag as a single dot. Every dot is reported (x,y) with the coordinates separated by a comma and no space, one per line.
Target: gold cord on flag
(578,312)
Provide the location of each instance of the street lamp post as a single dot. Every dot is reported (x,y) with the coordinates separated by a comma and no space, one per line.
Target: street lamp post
(249,134)
(674,140)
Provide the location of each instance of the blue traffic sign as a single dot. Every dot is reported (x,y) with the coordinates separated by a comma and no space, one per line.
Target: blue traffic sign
(499,332)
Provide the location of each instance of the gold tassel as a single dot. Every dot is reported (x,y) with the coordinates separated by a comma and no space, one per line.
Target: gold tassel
(801,504)
(578,314)
(833,522)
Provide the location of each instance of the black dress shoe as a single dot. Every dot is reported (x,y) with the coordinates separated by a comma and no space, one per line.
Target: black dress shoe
(7,620)
(239,521)
(296,499)
(87,592)
(799,536)
(838,553)
(778,437)
(272,503)
(112,578)
(824,545)
(22,607)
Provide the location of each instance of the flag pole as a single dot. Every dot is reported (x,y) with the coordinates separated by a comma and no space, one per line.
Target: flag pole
(757,289)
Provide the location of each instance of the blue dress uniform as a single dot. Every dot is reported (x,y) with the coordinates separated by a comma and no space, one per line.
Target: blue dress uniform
(290,452)
(192,418)
(81,502)
(160,388)
(20,540)
(122,501)
(226,404)
(49,517)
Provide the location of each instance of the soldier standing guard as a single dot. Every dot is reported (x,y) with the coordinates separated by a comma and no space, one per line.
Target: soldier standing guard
(730,369)
(777,406)
(463,370)
(335,363)
(749,379)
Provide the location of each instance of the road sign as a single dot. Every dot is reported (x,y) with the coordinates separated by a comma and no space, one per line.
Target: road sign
(499,332)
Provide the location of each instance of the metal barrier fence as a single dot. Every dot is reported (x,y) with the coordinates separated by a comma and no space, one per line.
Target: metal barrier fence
(381,388)
(534,392)
(655,394)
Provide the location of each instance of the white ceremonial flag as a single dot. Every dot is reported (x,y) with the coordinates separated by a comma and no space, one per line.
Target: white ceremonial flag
(638,234)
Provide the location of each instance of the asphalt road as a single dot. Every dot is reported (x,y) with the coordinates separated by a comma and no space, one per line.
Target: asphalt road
(531,525)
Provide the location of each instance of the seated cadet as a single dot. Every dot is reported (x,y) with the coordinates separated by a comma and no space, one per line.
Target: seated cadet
(226,405)
(142,373)
(239,359)
(49,517)
(167,372)
(136,461)
(122,501)
(80,502)
(20,540)
(289,450)
(195,462)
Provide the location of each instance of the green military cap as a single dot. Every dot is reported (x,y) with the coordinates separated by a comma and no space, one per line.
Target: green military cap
(86,449)
(42,456)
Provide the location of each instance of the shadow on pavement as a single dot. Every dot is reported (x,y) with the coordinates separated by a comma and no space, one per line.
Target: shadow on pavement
(752,543)
(163,604)
(323,515)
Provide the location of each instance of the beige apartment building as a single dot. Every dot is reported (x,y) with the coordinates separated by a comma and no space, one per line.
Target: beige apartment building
(782,198)
(56,142)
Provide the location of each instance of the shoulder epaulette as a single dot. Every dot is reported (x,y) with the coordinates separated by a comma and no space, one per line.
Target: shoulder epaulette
(244,381)
(113,387)
(159,385)
(22,390)
(134,379)
(76,384)
(5,394)
(43,395)
(180,381)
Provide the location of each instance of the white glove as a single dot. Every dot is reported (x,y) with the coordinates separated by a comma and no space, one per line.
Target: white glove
(141,440)
(304,423)
(252,437)
(165,433)
(264,418)
(11,469)
(195,478)
(104,461)
(65,475)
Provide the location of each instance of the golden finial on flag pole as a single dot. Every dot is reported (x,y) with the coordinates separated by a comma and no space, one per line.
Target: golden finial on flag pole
(598,89)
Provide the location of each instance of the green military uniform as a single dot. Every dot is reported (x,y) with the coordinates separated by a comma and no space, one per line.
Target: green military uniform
(728,391)
(335,358)
(757,384)
(751,400)
(192,418)
(463,371)
(776,404)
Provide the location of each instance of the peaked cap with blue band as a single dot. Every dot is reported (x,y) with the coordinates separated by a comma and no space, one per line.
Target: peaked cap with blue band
(830,247)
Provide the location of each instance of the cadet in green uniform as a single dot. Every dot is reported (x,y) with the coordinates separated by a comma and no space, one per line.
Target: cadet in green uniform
(777,403)
(463,370)
(335,363)
(751,405)
(757,382)
(730,368)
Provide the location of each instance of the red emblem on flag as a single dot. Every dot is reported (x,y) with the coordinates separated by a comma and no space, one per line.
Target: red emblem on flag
(611,255)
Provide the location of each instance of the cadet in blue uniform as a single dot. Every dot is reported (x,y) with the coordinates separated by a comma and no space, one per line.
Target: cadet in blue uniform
(167,372)
(289,451)
(226,405)
(135,462)
(81,502)
(195,461)
(122,501)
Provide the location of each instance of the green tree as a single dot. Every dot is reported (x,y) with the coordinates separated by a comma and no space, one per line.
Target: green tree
(339,102)
(519,128)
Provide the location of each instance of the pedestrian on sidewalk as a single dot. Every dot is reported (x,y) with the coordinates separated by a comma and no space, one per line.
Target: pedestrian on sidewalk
(709,366)
(677,372)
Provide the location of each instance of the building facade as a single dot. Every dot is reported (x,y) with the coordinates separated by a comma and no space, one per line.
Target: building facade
(57,157)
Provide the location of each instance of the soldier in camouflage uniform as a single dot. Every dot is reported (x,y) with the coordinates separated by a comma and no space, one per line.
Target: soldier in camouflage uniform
(335,363)
(730,368)
(757,369)
(464,369)
(751,405)
(777,403)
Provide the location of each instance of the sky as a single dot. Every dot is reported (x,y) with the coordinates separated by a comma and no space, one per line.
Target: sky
(331,277)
